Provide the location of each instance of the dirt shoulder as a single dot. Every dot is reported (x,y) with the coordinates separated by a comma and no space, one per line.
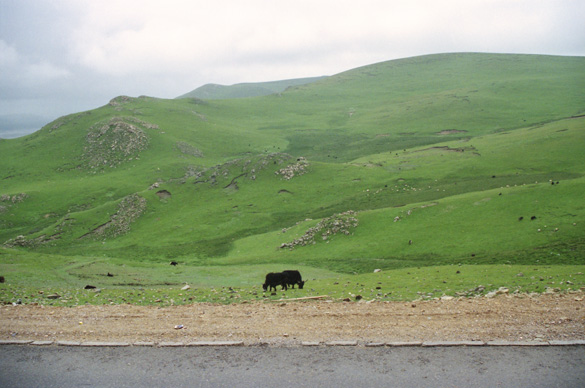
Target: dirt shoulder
(506,317)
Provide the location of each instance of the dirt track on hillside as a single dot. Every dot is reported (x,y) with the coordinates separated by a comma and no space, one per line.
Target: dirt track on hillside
(506,317)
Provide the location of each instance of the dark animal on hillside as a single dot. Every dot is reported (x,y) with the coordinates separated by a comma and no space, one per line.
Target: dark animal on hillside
(533,218)
(520,218)
(294,277)
(2,279)
(110,275)
(274,279)
(174,263)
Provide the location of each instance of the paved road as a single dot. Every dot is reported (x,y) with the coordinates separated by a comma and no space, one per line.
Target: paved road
(63,367)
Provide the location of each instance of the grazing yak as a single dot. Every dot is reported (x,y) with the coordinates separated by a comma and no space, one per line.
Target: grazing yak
(294,277)
(284,279)
(274,279)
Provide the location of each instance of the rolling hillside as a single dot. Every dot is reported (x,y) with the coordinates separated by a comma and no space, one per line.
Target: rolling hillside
(248,89)
(433,160)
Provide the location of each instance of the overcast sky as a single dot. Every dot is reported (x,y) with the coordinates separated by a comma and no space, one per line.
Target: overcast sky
(65,56)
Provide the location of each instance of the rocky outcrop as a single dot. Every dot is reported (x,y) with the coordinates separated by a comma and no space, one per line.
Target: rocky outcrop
(245,168)
(292,170)
(129,209)
(23,241)
(119,101)
(341,223)
(7,201)
(114,142)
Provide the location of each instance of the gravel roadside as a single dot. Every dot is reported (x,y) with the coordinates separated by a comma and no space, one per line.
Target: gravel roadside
(552,317)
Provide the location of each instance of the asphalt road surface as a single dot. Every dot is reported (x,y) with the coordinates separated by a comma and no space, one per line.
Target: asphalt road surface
(63,367)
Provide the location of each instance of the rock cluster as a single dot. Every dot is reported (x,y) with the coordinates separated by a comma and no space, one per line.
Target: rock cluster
(117,102)
(14,198)
(115,141)
(18,241)
(136,120)
(248,168)
(6,201)
(22,241)
(129,209)
(297,169)
(327,227)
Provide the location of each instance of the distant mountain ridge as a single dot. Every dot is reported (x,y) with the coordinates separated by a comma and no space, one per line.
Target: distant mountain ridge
(246,89)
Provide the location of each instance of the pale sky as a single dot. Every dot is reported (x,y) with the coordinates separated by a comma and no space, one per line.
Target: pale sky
(65,56)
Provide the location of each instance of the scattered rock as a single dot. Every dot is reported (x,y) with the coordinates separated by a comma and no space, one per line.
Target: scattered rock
(11,200)
(502,291)
(551,290)
(297,169)
(336,224)
(129,210)
(186,287)
(113,142)
(53,296)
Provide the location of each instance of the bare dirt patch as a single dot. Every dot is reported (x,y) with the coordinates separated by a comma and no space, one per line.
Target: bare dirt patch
(451,131)
(513,318)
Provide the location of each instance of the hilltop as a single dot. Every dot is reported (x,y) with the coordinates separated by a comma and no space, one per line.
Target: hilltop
(439,160)
(248,89)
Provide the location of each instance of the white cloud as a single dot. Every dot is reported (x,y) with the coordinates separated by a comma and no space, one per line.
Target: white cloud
(44,71)
(181,36)
(8,54)
(20,77)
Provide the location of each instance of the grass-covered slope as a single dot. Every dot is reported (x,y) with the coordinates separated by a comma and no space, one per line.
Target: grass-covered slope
(434,160)
(244,90)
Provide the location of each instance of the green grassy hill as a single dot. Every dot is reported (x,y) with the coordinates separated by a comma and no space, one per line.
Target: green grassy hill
(440,160)
(248,89)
